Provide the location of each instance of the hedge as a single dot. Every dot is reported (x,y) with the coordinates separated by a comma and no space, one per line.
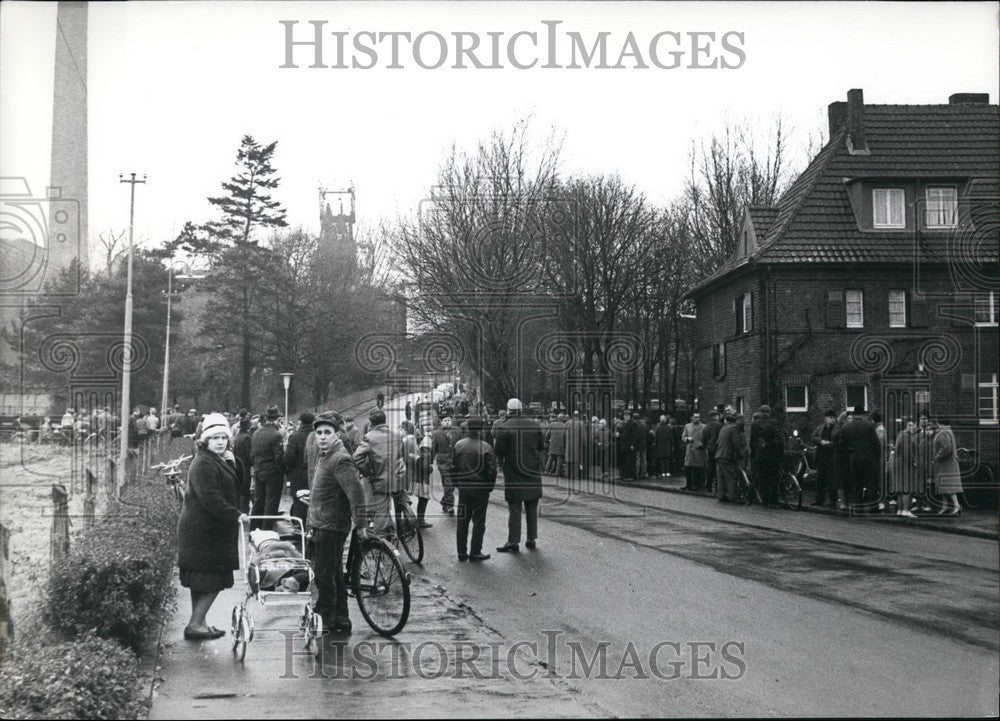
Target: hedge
(87,678)
(116,582)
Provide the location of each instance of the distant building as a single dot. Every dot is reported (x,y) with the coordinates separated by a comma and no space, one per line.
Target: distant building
(873,281)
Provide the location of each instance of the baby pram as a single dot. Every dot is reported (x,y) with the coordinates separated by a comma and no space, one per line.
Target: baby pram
(277,574)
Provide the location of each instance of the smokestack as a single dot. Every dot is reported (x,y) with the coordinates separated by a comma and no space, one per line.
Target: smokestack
(969,99)
(856,140)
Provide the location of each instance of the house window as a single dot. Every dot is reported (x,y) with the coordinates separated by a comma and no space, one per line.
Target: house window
(887,204)
(897,308)
(746,314)
(942,207)
(856,396)
(796,398)
(719,360)
(739,405)
(988,399)
(854,304)
(986,309)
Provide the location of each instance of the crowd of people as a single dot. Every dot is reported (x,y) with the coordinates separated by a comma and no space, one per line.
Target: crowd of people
(342,477)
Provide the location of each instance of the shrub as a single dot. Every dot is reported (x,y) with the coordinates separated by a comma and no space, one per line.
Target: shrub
(116,581)
(88,678)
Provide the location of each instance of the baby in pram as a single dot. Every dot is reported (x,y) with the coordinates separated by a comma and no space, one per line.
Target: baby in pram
(280,564)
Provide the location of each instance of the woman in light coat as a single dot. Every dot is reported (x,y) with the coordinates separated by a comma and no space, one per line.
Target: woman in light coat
(947,475)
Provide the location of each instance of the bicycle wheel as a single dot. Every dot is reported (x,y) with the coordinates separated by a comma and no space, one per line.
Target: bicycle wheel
(791,492)
(409,533)
(381,587)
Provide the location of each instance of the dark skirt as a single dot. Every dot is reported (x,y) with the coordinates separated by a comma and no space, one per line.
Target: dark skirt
(206,581)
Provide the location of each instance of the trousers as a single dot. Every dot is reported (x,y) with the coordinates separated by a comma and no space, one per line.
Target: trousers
(727,473)
(514,520)
(328,565)
(472,505)
(266,498)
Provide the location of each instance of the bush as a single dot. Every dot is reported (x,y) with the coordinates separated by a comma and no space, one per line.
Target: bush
(88,678)
(117,580)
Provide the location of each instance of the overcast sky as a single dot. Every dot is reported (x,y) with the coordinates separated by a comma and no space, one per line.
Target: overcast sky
(174,86)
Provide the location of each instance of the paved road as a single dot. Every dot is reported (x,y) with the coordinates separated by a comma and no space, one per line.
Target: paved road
(805,614)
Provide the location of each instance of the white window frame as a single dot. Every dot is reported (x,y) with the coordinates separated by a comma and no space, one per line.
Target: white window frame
(746,314)
(897,298)
(797,409)
(860,302)
(992,305)
(847,406)
(991,391)
(944,194)
(882,199)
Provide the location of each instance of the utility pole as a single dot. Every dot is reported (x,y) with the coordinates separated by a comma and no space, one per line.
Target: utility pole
(127,353)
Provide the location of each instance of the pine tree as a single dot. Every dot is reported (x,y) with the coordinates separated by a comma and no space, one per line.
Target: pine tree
(239,261)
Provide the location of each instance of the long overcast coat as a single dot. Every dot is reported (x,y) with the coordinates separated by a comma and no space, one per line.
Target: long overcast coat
(208,525)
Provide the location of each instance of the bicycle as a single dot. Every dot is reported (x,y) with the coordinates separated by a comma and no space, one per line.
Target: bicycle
(172,473)
(408,532)
(746,489)
(377,580)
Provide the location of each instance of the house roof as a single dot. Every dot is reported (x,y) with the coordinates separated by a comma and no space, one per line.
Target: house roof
(814,221)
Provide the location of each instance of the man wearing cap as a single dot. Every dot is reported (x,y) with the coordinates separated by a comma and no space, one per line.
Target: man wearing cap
(337,496)
(826,462)
(442,450)
(474,473)
(380,459)
(557,446)
(269,469)
(294,460)
(518,442)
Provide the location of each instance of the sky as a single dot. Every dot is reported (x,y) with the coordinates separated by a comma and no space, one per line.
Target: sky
(174,86)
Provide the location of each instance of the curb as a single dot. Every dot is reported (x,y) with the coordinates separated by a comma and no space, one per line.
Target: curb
(941,527)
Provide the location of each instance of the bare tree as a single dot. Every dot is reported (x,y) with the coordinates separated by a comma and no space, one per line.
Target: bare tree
(728,173)
(114,245)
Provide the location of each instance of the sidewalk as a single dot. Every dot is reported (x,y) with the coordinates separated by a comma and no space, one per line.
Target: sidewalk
(978,524)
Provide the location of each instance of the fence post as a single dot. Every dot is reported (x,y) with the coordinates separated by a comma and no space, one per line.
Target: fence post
(59,539)
(6,619)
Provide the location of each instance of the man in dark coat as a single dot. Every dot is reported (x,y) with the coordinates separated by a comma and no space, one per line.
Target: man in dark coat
(826,461)
(244,457)
(442,452)
(629,431)
(663,447)
(474,472)
(767,446)
(294,460)
(642,438)
(269,468)
(727,453)
(337,497)
(518,442)
(859,447)
(710,437)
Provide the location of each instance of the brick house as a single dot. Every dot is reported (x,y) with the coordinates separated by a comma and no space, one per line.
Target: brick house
(873,281)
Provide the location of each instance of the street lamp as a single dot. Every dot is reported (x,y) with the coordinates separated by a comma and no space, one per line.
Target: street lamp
(127,351)
(286,378)
(166,347)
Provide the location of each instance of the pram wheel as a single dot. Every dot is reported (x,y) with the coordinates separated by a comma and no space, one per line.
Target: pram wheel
(241,633)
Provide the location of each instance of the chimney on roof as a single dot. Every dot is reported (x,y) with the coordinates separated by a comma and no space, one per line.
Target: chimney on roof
(857,143)
(969,99)
(837,114)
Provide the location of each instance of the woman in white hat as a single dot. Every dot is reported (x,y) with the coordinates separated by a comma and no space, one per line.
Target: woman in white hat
(207,530)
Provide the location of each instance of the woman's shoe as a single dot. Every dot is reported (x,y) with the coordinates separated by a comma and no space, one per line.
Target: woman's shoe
(906,514)
(955,512)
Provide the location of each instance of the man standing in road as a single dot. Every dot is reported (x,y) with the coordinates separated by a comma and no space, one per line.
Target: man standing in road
(518,441)
(244,455)
(269,469)
(337,495)
(295,463)
(642,438)
(826,461)
(474,473)
(663,445)
(441,449)
(557,447)
(576,433)
(694,456)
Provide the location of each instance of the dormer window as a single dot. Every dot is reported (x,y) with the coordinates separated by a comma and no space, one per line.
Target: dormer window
(887,208)
(942,207)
